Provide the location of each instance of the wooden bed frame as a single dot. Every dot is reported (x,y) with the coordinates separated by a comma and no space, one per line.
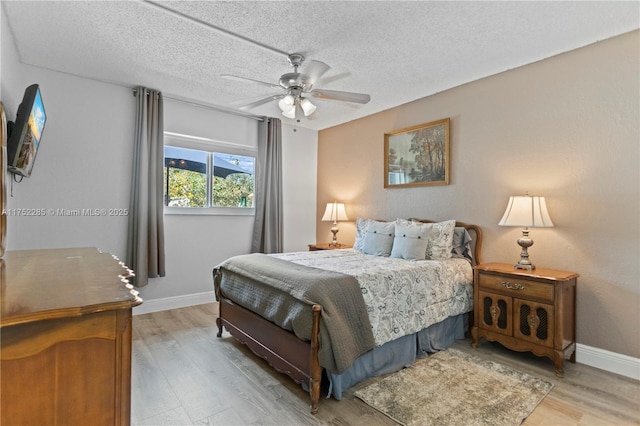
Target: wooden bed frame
(282,349)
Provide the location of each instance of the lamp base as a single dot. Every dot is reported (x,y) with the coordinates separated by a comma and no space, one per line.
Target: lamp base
(334,230)
(525,242)
(529,267)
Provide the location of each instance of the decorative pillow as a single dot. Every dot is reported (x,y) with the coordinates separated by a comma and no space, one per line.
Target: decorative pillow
(440,240)
(361,231)
(410,241)
(378,238)
(461,243)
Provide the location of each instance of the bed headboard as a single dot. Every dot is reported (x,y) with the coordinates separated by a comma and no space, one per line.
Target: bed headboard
(476,238)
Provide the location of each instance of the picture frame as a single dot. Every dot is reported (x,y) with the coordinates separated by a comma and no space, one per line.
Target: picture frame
(417,155)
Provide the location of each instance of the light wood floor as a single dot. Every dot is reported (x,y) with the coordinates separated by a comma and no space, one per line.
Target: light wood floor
(182,374)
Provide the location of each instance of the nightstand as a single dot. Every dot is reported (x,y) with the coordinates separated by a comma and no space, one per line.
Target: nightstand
(526,310)
(326,246)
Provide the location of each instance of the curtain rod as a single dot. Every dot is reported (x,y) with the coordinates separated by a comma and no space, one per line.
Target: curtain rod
(209,106)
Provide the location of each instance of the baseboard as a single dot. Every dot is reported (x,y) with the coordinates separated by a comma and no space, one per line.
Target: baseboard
(166,303)
(609,361)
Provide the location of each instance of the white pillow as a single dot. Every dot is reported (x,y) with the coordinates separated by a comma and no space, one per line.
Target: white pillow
(440,240)
(410,240)
(378,238)
(361,231)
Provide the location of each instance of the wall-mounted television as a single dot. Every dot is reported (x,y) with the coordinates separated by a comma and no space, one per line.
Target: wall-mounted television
(26,132)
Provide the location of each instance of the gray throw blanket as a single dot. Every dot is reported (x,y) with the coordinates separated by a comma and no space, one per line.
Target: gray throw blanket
(283,291)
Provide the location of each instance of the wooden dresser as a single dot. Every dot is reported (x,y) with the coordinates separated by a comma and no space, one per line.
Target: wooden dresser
(66,338)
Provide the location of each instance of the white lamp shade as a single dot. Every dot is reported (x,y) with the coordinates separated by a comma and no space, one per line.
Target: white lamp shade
(286,103)
(334,212)
(527,211)
(291,113)
(307,107)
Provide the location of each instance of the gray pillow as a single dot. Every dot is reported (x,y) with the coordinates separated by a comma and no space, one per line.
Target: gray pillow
(461,243)
(378,238)
(410,241)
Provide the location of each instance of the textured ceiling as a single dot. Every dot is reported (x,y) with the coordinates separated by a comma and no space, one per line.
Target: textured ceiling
(396,51)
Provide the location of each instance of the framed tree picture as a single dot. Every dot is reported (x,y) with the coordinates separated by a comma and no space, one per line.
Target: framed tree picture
(417,156)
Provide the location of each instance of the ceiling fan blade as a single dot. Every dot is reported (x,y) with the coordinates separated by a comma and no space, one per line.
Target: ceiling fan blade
(330,79)
(264,83)
(261,101)
(359,98)
(315,70)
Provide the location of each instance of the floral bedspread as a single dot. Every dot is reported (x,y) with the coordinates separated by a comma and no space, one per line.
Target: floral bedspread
(402,296)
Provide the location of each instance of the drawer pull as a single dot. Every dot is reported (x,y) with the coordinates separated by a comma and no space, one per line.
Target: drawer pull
(516,286)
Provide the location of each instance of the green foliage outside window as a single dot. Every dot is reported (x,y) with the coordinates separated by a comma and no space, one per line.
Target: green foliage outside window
(186,188)
(236,190)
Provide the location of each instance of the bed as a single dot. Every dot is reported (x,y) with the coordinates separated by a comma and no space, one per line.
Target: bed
(355,313)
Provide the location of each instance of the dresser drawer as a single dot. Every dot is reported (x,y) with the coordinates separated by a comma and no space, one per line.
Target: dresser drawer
(516,287)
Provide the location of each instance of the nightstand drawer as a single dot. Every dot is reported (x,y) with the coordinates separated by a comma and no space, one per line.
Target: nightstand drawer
(517,287)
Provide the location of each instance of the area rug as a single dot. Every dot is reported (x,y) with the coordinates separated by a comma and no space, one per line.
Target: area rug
(455,388)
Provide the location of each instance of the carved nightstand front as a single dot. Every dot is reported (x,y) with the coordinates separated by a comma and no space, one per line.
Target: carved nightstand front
(526,310)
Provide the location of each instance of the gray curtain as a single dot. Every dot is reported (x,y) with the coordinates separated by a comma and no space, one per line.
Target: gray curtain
(145,238)
(267,229)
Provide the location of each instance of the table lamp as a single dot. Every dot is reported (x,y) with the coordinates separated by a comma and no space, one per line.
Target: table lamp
(526,211)
(333,213)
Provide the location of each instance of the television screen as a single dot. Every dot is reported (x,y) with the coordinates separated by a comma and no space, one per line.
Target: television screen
(26,132)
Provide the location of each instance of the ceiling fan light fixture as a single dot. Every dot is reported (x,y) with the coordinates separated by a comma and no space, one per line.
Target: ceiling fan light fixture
(307,107)
(297,86)
(286,103)
(290,113)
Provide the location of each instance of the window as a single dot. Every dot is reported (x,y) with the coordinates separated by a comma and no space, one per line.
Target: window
(196,178)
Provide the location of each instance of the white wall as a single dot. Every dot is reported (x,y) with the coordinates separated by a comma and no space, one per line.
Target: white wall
(300,148)
(195,243)
(84,161)
(2,26)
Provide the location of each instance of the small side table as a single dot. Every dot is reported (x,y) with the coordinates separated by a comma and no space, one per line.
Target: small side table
(327,246)
(526,310)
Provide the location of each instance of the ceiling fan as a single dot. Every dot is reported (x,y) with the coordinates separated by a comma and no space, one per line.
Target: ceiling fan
(297,87)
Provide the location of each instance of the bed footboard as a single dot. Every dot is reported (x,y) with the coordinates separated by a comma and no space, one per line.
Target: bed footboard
(285,352)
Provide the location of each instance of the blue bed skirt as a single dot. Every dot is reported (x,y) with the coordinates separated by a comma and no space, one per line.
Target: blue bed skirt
(398,354)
